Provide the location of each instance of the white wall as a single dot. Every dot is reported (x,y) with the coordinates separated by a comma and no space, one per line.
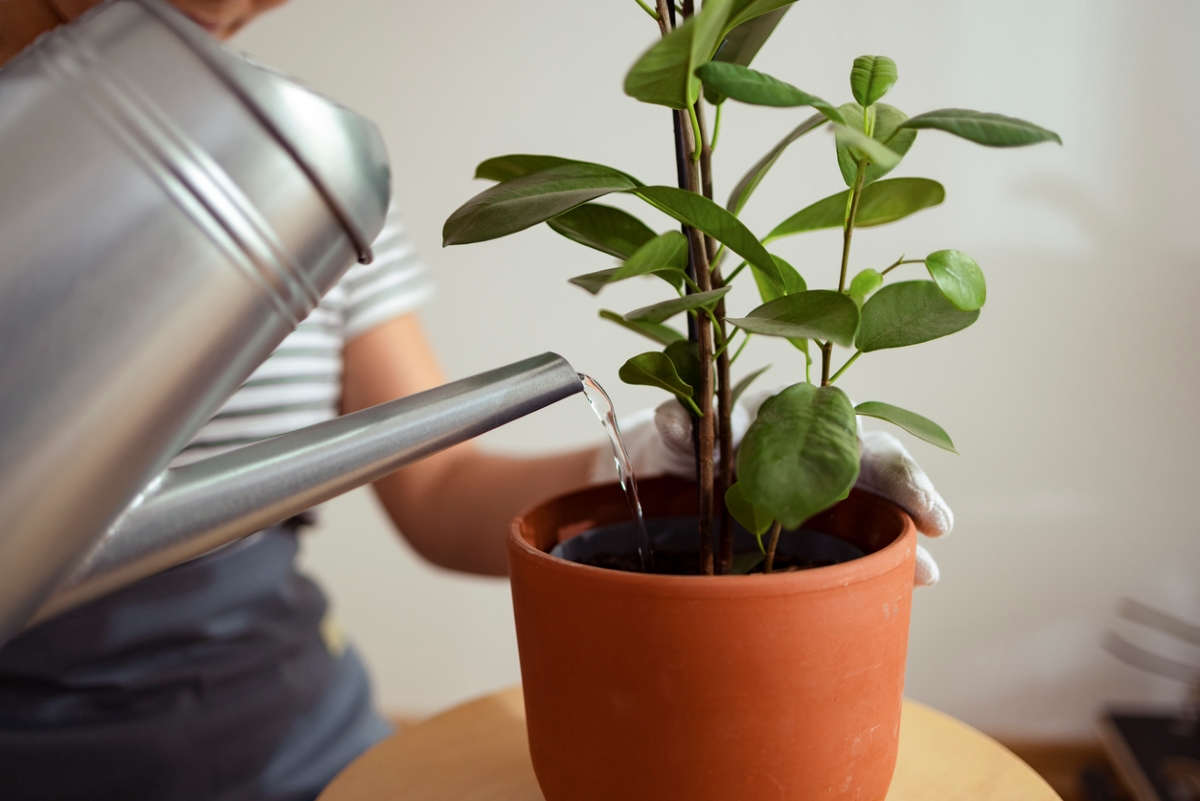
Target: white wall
(1072,400)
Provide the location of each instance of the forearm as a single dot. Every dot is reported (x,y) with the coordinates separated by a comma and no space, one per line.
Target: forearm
(456,508)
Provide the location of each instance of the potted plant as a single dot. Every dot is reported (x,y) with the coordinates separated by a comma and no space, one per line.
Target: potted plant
(776,684)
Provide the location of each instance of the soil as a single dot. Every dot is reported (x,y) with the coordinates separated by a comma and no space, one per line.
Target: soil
(679,563)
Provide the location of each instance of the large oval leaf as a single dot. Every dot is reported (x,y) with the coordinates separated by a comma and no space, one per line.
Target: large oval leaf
(881,202)
(656,370)
(662,334)
(605,228)
(750,181)
(871,77)
(742,11)
(913,423)
(742,43)
(819,313)
(667,251)
(959,278)
(701,213)
(984,128)
(800,456)
(520,203)
(909,313)
(664,75)
(759,89)
(887,130)
(685,356)
(661,312)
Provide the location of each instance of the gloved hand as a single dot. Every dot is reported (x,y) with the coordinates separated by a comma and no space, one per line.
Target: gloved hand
(659,442)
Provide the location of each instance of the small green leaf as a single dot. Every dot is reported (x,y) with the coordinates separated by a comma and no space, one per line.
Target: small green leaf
(759,89)
(984,128)
(667,251)
(661,312)
(700,212)
(800,456)
(871,77)
(909,313)
(819,313)
(959,278)
(744,563)
(750,181)
(887,130)
(514,165)
(865,283)
(740,387)
(742,43)
(768,290)
(913,423)
(654,369)
(744,512)
(685,356)
(520,203)
(594,282)
(662,334)
(881,202)
(861,146)
(607,229)
(664,75)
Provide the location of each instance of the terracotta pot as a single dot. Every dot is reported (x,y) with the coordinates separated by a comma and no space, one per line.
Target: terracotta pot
(784,686)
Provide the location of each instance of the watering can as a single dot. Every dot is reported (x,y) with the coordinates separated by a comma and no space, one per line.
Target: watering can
(169,212)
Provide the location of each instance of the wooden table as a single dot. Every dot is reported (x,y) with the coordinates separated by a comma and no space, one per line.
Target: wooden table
(478,752)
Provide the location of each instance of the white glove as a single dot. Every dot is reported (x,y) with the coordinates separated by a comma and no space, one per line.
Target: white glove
(659,442)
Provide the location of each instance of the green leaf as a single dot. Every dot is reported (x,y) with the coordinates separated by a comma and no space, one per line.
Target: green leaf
(701,213)
(654,369)
(663,334)
(959,278)
(742,11)
(871,77)
(661,312)
(865,283)
(685,356)
(759,89)
(887,130)
(909,313)
(881,202)
(800,456)
(607,229)
(667,251)
(768,290)
(750,181)
(594,282)
(754,521)
(913,423)
(514,165)
(740,387)
(743,42)
(861,146)
(984,128)
(744,563)
(819,313)
(664,75)
(520,203)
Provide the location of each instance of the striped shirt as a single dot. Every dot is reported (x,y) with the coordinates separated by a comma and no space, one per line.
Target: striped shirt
(300,383)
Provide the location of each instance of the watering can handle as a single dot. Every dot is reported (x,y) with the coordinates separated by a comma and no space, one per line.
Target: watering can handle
(191,510)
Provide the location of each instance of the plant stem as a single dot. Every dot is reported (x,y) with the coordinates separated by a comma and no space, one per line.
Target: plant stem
(900,261)
(772,544)
(741,348)
(849,362)
(847,233)
(826,357)
(653,14)
(716,127)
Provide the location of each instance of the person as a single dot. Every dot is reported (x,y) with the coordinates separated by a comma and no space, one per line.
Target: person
(218,679)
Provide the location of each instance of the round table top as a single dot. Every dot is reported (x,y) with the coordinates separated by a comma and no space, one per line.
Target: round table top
(479,752)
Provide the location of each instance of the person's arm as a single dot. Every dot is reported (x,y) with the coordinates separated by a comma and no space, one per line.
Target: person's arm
(455,507)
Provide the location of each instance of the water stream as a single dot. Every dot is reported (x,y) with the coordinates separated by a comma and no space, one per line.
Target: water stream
(602,405)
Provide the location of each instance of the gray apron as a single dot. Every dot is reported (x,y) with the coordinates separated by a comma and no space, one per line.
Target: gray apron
(208,681)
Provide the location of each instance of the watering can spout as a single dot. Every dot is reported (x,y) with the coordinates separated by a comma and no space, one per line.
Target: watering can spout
(189,511)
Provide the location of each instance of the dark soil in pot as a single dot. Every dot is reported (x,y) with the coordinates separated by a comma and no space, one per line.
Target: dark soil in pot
(674,539)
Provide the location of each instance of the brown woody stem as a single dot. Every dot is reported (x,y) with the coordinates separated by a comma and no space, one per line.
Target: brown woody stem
(772,544)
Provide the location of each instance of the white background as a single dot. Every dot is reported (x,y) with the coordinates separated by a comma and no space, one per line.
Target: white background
(1072,400)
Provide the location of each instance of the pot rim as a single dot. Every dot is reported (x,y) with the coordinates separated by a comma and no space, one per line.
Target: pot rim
(895,555)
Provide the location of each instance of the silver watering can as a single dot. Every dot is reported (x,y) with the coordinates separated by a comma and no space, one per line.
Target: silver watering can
(169,212)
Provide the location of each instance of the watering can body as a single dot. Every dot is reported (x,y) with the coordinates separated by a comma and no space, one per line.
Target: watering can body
(168,213)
